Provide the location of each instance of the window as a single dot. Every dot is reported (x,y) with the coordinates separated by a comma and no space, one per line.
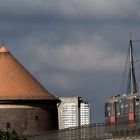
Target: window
(8,125)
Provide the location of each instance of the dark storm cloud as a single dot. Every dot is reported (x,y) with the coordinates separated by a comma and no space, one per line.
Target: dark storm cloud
(66,9)
(74,47)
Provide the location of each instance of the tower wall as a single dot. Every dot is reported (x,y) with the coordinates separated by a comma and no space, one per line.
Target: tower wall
(28,119)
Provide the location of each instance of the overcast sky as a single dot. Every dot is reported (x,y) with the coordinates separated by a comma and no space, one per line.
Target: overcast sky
(73,47)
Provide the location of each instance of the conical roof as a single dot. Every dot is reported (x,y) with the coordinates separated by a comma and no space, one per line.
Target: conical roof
(16,83)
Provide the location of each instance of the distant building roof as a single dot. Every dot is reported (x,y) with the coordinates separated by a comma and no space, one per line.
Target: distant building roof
(16,83)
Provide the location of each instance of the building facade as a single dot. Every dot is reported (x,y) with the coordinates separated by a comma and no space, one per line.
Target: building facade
(73,112)
(84,113)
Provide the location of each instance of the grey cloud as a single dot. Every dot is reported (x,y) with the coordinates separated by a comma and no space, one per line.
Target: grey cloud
(78,56)
(73,47)
(69,9)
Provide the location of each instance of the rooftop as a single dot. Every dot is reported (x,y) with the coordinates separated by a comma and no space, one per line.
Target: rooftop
(16,83)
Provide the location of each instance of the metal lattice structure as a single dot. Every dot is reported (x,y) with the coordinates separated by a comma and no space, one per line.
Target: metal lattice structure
(98,131)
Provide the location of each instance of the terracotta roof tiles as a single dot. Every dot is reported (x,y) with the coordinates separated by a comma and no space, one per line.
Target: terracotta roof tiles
(17,83)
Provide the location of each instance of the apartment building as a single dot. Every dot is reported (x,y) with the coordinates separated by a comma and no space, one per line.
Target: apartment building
(72,112)
(84,113)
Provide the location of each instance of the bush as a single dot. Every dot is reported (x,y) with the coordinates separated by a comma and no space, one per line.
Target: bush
(10,135)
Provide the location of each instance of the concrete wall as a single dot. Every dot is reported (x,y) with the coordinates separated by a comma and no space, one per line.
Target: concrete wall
(27,119)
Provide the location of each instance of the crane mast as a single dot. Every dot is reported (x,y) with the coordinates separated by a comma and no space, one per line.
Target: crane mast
(133,84)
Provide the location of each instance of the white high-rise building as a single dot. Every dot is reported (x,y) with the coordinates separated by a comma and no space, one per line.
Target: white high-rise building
(73,112)
(84,113)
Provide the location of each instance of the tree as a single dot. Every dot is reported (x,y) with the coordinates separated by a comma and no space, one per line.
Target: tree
(7,134)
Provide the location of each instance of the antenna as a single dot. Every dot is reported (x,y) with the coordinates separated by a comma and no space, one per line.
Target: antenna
(133,85)
(129,82)
(130,35)
(137,40)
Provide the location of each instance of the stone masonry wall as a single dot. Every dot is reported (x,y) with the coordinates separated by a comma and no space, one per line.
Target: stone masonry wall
(26,119)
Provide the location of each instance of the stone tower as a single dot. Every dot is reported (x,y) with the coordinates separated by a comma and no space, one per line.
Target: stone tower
(25,105)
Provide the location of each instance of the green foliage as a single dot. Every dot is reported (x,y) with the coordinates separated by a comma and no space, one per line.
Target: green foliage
(10,135)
